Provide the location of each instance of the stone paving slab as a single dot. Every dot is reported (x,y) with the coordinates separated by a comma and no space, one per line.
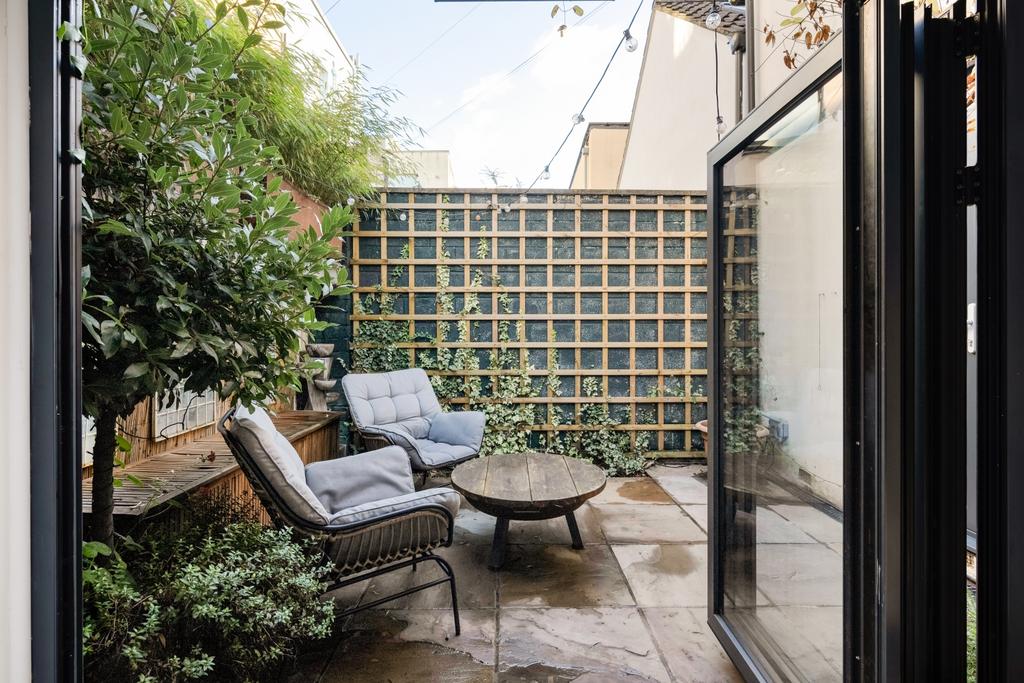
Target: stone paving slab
(476,589)
(690,649)
(630,606)
(669,575)
(603,644)
(558,576)
(643,523)
(414,646)
(630,490)
(681,484)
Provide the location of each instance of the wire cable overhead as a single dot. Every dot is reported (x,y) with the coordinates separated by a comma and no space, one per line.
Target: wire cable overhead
(511,72)
(579,117)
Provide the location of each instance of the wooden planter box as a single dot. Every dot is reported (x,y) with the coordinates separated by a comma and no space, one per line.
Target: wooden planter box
(206,465)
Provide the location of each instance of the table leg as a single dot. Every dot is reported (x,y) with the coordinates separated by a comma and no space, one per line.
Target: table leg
(499,542)
(574,531)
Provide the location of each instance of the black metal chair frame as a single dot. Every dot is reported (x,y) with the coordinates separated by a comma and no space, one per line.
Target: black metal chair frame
(283,516)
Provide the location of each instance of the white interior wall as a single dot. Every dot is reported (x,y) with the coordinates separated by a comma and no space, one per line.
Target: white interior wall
(673,124)
(15,603)
(800,257)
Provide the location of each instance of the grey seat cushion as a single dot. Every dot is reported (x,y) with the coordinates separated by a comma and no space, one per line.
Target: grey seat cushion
(463,428)
(434,454)
(444,497)
(278,461)
(403,397)
(402,408)
(358,479)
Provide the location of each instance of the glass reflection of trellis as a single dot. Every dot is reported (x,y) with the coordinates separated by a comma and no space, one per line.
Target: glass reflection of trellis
(614,283)
(741,361)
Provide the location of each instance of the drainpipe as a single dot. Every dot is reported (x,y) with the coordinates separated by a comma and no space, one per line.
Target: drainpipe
(737,46)
(749,40)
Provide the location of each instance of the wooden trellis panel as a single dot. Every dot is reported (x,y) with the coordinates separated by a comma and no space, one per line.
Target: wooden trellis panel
(616,283)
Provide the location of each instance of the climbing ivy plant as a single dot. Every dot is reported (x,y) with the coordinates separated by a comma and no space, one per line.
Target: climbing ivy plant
(505,392)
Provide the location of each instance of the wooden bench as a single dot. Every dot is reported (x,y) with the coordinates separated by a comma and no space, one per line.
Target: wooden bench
(207,465)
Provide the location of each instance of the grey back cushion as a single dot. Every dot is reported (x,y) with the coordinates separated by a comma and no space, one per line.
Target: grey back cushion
(279,462)
(403,398)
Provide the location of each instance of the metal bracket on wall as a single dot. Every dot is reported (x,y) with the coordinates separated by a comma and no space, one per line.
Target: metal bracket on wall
(968,36)
(968,185)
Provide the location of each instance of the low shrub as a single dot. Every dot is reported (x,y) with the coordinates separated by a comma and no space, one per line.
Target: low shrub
(222,598)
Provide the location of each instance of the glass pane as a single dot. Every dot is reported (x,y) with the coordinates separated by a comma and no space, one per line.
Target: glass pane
(781,391)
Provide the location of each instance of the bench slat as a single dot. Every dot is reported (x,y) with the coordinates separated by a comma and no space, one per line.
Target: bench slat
(190,466)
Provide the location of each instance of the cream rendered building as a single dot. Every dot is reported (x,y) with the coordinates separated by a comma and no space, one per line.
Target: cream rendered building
(678,97)
(600,158)
(424,168)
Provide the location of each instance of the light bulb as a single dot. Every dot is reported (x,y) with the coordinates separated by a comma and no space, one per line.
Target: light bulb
(578,119)
(351,201)
(631,42)
(713,20)
(523,199)
(546,174)
(505,208)
(403,216)
(720,126)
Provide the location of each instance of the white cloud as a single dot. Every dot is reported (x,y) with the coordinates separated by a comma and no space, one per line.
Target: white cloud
(515,124)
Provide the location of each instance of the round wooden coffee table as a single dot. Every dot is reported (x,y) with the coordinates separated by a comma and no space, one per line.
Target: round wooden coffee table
(527,486)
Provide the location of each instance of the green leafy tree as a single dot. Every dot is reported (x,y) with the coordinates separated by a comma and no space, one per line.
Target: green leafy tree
(195,273)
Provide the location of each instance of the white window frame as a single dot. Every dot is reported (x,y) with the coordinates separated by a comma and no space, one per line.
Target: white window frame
(186,412)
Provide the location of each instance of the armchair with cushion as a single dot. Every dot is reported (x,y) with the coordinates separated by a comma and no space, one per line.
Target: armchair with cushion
(400,409)
(363,509)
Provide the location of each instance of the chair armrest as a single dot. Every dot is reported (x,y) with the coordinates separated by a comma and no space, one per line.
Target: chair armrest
(354,480)
(460,428)
(393,436)
(389,508)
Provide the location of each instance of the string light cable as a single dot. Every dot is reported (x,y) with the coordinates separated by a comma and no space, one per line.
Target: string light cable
(578,118)
(713,20)
(432,43)
(511,72)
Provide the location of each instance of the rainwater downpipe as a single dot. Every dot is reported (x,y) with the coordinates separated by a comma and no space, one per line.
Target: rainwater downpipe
(738,47)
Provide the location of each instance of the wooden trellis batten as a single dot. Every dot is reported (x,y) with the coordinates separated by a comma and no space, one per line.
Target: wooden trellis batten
(614,282)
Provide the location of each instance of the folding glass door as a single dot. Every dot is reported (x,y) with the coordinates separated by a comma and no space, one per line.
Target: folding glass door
(778,398)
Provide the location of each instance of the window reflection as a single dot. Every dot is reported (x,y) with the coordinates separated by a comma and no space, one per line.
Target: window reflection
(781,390)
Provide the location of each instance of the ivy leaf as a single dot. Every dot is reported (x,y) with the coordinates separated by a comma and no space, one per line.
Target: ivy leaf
(577,10)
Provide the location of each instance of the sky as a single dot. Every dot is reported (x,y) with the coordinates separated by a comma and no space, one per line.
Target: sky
(510,123)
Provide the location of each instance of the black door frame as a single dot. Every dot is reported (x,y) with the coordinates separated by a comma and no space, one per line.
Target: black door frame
(825,64)
(1001,342)
(900,562)
(55,400)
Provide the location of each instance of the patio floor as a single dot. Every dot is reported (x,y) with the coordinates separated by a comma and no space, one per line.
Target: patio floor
(631,606)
